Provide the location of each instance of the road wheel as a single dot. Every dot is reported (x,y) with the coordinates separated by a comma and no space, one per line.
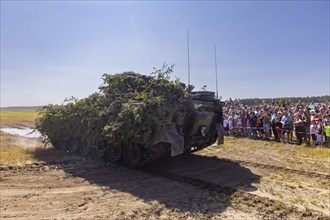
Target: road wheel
(133,155)
(114,152)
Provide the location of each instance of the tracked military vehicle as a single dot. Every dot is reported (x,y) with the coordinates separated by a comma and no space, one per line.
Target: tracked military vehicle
(192,123)
(135,119)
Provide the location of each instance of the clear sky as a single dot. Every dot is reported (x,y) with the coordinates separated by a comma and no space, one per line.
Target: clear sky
(51,50)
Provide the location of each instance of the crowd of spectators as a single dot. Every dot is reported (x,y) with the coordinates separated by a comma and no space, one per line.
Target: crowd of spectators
(298,122)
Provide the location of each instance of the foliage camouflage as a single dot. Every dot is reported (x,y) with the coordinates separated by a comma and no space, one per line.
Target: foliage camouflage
(127,108)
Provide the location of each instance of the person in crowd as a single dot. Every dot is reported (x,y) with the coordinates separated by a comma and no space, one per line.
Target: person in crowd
(235,121)
(327,117)
(313,128)
(253,124)
(250,121)
(266,124)
(272,122)
(307,124)
(260,130)
(239,126)
(311,105)
(286,121)
(322,112)
(245,122)
(328,109)
(313,114)
(319,116)
(300,105)
(230,125)
(299,127)
(319,132)
(291,113)
(278,125)
(226,125)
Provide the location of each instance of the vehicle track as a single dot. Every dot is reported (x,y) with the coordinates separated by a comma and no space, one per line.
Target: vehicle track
(270,209)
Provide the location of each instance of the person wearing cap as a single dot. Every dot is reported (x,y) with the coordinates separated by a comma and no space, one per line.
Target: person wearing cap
(286,121)
(313,114)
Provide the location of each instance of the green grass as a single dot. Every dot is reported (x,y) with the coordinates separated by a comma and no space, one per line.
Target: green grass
(10,118)
(18,114)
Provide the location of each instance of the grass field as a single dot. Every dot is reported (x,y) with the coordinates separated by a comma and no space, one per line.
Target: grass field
(14,118)
(20,150)
(274,153)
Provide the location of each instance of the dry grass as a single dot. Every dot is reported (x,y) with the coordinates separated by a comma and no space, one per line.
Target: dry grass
(314,152)
(260,145)
(15,150)
(15,155)
(272,153)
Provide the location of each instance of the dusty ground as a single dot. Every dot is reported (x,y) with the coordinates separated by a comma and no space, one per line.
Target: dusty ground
(243,179)
(86,190)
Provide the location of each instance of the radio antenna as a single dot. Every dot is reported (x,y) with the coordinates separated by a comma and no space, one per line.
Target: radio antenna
(216,70)
(188,59)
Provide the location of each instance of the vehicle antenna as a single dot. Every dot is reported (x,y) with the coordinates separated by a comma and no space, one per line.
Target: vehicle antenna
(216,70)
(188,59)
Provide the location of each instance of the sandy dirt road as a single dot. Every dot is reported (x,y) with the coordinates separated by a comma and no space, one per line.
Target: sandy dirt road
(215,183)
(82,189)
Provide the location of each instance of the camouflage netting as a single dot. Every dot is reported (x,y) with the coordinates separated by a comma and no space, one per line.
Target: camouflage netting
(127,108)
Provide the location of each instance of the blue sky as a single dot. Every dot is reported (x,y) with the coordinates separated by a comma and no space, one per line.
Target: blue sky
(51,50)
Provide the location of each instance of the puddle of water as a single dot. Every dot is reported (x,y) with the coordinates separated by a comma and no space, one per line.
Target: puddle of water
(24,132)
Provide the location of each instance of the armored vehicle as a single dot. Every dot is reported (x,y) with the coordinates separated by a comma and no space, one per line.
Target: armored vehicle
(134,119)
(192,123)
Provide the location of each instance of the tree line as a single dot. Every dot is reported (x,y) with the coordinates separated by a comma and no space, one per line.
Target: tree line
(288,100)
